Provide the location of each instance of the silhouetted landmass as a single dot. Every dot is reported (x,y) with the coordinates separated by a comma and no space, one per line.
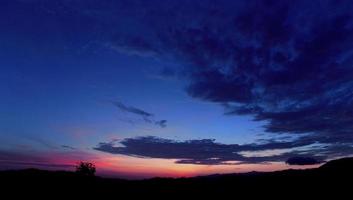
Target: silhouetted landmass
(332,178)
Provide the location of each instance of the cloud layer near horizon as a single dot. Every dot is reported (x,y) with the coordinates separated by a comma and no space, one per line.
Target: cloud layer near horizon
(209,152)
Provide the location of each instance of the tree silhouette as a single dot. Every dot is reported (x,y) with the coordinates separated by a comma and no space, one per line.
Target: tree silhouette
(86,168)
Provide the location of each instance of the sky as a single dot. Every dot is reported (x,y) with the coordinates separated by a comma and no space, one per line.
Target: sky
(175,87)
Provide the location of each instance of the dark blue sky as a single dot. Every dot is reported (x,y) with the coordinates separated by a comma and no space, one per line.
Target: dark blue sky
(178,86)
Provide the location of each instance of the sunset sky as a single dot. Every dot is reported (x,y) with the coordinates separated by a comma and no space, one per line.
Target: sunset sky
(175,87)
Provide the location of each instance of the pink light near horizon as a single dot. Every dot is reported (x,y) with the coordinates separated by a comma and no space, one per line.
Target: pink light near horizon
(136,168)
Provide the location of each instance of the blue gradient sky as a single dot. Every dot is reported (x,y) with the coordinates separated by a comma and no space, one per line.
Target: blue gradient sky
(64,64)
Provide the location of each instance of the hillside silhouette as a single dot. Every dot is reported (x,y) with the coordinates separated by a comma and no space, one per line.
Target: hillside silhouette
(334,177)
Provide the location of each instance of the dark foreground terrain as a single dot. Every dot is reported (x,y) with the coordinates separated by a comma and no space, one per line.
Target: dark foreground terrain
(333,178)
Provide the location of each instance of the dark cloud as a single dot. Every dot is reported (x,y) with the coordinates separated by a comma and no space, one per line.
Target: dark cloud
(288,63)
(161,123)
(68,147)
(207,151)
(146,116)
(302,161)
(131,109)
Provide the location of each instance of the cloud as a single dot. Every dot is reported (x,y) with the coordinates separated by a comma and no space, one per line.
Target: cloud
(68,147)
(161,123)
(42,142)
(132,109)
(288,63)
(146,116)
(207,151)
(302,161)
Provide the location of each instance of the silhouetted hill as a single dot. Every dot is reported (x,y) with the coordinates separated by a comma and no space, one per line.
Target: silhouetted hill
(345,164)
(334,177)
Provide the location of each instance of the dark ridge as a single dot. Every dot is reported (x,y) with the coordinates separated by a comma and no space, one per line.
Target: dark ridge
(334,177)
(343,164)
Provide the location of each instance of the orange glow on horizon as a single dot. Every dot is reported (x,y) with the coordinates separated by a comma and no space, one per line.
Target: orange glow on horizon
(151,167)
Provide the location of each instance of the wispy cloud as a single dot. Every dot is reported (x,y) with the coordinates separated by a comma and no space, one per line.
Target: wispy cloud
(22,160)
(161,123)
(41,141)
(146,116)
(132,109)
(68,147)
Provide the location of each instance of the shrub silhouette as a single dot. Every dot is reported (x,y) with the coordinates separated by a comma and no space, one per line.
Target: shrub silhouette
(86,168)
